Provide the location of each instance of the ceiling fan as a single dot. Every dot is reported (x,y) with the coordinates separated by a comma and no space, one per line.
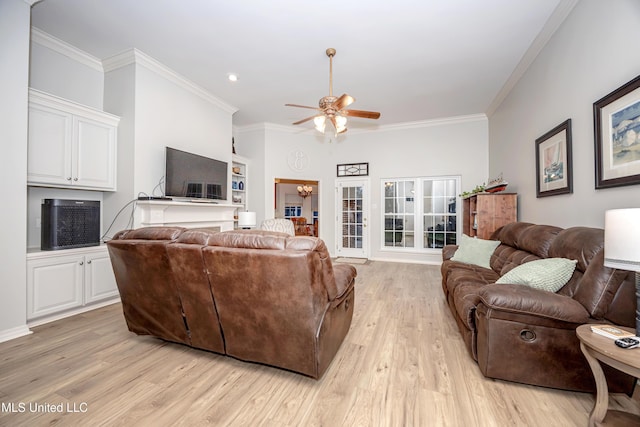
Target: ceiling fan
(334,108)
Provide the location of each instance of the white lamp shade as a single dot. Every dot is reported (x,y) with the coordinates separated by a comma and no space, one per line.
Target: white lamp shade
(246,219)
(622,239)
(319,122)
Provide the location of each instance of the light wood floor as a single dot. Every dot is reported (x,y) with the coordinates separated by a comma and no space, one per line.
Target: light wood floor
(402,364)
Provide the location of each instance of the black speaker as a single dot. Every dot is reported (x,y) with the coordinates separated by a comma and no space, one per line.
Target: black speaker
(70,224)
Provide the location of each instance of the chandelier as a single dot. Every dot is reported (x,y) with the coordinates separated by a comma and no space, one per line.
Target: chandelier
(304,190)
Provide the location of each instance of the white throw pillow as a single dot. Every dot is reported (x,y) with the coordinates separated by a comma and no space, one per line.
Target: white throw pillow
(475,251)
(549,274)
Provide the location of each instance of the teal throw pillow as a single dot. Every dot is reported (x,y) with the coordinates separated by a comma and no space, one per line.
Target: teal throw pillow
(549,274)
(475,251)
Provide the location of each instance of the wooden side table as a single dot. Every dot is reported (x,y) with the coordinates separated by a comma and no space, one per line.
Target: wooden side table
(599,349)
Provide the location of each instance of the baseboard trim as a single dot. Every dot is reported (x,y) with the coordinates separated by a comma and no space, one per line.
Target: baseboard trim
(13,333)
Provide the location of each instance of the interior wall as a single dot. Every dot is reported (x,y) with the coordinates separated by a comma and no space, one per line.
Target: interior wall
(59,75)
(15,16)
(168,115)
(456,146)
(588,57)
(157,112)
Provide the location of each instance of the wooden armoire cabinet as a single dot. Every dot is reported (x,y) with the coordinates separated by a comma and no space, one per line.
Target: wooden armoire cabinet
(483,213)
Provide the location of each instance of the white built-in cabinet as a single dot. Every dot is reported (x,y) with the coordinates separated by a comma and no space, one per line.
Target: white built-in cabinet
(239,184)
(66,282)
(70,145)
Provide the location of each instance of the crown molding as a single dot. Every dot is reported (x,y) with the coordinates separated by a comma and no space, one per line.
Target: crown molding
(426,123)
(134,56)
(385,128)
(47,40)
(554,22)
(266,126)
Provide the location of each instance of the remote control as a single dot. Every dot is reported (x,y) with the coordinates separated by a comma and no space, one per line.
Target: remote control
(627,343)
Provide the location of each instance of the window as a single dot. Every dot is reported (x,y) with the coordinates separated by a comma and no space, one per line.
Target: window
(420,213)
(292,211)
(399,213)
(439,212)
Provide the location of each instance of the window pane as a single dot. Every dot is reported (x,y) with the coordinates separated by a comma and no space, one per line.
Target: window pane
(437,208)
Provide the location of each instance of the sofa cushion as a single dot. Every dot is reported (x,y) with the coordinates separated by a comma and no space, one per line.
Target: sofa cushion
(476,251)
(537,239)
(508,234)
(548,274)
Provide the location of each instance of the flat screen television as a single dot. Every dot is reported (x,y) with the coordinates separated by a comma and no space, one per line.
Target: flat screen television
(191,176)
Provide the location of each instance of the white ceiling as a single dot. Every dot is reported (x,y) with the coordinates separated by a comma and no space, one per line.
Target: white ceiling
(411,60)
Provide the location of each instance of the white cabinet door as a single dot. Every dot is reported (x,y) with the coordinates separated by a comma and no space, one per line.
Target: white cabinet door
(49,147)
(70,145)
(100,282)
(54,284)
(94,154)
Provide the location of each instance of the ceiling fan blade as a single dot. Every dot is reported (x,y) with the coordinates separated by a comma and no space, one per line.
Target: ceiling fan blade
(342,102)
(301,106)
(304,120)
(361,113)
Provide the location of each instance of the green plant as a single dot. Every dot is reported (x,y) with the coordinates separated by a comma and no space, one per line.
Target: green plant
(477,189)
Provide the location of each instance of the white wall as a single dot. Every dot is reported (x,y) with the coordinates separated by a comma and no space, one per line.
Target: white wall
(168,115)
(15,16)
(158,108)
(591,54)
(457,146)
(53,72)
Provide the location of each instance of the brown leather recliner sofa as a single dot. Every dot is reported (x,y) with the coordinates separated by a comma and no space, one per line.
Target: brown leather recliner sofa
(258,296)
(527,335)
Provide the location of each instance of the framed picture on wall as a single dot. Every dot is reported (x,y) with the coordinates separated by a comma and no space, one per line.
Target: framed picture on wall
(616,119)
(554,170)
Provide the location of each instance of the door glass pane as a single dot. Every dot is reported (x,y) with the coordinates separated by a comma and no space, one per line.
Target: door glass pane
(352,217)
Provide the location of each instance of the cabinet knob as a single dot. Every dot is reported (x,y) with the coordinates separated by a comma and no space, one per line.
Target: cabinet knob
(68,178)
(75,179)
(81,262)
(89,262)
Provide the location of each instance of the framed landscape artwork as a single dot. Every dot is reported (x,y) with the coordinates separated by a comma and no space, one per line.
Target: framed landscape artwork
(554,174)
(616,120)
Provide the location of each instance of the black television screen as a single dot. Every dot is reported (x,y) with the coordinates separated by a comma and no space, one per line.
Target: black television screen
(191,176)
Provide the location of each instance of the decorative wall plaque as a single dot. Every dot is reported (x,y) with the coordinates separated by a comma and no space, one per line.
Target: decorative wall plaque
(298,160)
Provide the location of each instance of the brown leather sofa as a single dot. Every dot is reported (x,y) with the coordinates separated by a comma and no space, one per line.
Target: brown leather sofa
(527,335)
(258,296)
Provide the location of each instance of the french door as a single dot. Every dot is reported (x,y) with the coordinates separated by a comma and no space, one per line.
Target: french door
(352,212)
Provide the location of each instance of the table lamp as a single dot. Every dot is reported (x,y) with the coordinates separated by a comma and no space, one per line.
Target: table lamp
(622,246)
(246,219)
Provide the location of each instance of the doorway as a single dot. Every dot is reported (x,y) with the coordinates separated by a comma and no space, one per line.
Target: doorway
(301,207)
(352,213)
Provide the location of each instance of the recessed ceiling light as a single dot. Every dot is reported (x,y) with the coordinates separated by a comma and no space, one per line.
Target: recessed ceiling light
(233,77)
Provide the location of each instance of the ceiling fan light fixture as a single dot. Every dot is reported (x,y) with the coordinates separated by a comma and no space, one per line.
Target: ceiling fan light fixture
(319,122)
(232,77)
(341,123)
(334,107)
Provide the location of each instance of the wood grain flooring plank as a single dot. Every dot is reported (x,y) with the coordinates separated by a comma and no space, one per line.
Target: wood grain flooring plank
(403,363)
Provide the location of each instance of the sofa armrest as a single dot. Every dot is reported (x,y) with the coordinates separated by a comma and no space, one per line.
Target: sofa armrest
(521,299)
(448,251)
(344,275)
